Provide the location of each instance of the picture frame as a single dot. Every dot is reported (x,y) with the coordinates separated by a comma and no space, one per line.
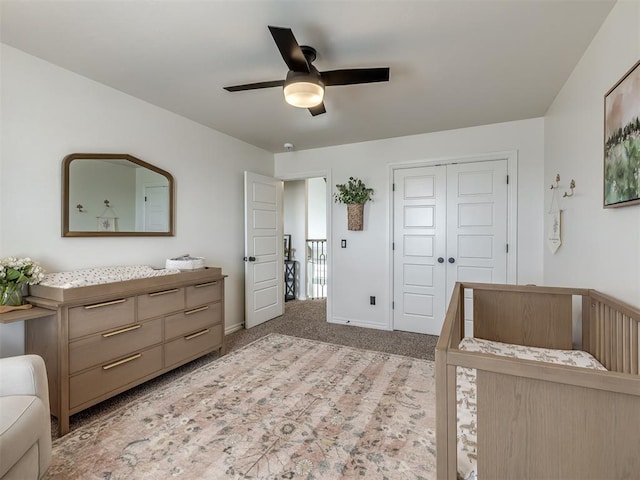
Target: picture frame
(621,178)
(287,247)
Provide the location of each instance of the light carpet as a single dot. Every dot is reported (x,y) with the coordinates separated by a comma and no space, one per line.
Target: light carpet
(281,407)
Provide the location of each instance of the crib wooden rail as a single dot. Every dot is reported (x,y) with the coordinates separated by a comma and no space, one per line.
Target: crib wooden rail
(539,420)
(610,332)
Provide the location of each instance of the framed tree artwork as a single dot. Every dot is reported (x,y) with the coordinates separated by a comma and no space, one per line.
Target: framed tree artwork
(622,141)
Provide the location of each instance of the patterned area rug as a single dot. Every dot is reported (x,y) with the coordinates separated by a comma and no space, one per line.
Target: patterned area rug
(279,408)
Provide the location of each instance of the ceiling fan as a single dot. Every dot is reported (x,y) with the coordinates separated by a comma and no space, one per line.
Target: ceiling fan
(304,85)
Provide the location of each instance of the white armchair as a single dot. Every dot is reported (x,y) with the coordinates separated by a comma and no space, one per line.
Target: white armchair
(25,424)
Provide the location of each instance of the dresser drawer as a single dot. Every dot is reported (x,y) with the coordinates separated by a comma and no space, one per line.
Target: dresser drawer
(159,303)
(191,346)
(202,293)
(189,321)
(117,343)
(100,317)
(110,376)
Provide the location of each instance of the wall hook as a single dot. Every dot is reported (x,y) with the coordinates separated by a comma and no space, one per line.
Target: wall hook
(557,184)
(80,208)
(106,203)
(572,185)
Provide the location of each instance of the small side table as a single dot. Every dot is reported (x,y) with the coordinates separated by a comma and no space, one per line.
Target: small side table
(289,280)
(16,325)
(21,315)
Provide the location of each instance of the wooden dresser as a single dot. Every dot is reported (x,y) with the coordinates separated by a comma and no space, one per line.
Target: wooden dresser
(104,339)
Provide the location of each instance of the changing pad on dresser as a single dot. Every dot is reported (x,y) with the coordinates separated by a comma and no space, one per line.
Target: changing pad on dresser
(100,275)
(466,389)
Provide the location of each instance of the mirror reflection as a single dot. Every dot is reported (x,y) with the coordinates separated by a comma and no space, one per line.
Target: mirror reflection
(115,195)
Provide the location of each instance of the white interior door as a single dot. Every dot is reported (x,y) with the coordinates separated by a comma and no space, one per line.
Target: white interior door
(476,223)
(419,237)
(264,252)
(450,224)
(156,204)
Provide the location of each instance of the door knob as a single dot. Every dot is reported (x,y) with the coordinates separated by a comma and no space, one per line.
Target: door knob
(440,260)
(249,259)
(452,260)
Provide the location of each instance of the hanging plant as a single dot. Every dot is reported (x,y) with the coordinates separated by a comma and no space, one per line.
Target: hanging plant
(355,194)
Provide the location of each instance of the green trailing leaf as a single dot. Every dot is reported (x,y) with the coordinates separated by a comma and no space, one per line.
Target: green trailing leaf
(354,191)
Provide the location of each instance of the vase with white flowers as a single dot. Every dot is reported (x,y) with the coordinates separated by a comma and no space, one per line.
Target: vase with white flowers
(15,275)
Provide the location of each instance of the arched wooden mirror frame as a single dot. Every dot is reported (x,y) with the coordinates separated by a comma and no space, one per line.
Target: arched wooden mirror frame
(67,206)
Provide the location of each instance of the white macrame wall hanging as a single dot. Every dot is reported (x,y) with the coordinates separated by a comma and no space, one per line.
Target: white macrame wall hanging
(107,221)
(554,216)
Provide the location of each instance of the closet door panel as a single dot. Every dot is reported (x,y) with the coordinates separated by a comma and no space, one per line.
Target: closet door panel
(477,222)
(419,240)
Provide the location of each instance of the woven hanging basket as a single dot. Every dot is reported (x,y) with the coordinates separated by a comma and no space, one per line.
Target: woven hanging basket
(355,214)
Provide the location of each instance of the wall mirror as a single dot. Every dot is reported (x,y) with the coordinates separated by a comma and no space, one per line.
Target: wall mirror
(115,195)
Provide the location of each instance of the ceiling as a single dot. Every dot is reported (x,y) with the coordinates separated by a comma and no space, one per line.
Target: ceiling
(453,63)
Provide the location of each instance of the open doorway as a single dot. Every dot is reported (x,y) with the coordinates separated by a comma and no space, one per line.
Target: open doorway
(305,233)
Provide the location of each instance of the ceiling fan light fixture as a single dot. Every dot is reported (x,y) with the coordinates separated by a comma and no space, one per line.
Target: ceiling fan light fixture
(304,94)
(304,84)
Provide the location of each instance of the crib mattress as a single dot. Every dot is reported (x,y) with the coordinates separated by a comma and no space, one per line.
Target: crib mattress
(466,389)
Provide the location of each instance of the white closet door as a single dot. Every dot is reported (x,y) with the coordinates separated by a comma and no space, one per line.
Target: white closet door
(419,238)
(477,223)
(450,224)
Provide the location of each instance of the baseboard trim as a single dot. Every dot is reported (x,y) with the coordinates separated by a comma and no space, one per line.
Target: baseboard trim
(233,328)
(358,323)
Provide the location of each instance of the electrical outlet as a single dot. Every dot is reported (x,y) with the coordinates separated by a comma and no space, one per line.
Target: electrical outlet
(372,300)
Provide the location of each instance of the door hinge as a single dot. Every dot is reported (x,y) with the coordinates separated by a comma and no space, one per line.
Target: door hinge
(507,179)
(507,248)
(393,187)
(393,305)
(393,245)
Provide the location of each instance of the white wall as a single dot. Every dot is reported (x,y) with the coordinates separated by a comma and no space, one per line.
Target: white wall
(363,268)
(316,208)
(294,225)
(49,112)
(600,247)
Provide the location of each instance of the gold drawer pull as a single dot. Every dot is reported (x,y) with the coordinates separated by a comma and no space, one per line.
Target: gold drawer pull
(196,310)
(163,293)
(104,304)
(205,284)
(122,330)
(123,361)
(197,334)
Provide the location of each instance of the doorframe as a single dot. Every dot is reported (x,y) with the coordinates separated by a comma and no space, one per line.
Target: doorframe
(511,156)
(315,174)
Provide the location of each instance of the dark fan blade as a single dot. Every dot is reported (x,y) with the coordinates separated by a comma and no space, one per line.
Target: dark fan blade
(355,75)
(289,49)
(254,86)
(318,110)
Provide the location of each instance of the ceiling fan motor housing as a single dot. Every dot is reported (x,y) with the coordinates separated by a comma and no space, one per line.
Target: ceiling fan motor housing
(309,53)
